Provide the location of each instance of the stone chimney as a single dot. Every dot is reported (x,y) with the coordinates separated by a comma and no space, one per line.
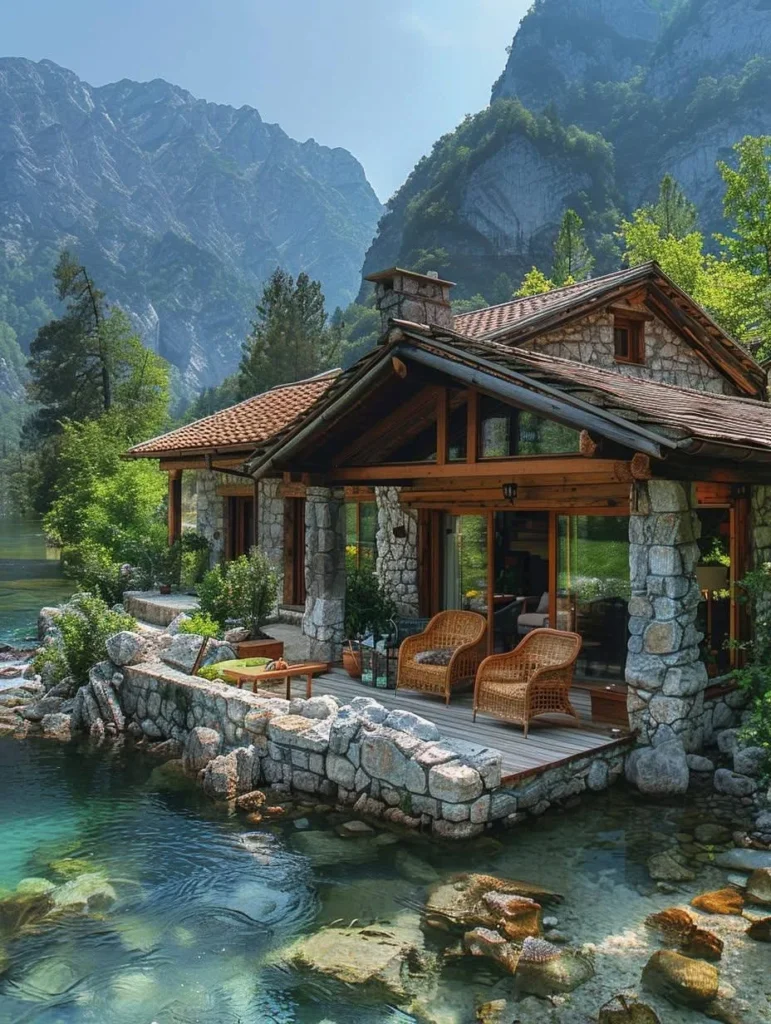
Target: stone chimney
(406,295)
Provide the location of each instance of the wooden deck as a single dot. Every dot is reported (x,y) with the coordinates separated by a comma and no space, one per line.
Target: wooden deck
(553,739)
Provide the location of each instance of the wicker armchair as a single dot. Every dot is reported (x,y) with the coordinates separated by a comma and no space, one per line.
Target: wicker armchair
(463,631)
(534,679)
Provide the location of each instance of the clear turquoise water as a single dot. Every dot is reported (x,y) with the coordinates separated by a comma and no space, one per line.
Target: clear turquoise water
(206,903)
(30,577)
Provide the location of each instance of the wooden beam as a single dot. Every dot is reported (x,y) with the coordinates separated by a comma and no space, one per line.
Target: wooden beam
(234,490)
(175,506)
(291,489)
(199,463)
(557,468)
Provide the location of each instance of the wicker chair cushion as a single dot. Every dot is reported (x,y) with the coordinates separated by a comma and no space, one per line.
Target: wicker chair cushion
(439,656)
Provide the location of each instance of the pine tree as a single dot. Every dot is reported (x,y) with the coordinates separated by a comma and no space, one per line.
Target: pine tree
(290,338)
(572,259)
(674,213)
(88,362)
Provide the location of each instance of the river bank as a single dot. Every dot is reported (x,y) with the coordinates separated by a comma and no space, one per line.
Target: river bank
(30,577)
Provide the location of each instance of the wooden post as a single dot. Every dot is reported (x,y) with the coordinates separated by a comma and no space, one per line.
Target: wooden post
(175,505)
(472,426)
(442,417)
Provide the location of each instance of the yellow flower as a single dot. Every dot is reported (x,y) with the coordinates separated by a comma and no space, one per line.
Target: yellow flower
(472,593)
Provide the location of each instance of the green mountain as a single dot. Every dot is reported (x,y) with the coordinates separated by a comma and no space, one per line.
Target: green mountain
(599,100)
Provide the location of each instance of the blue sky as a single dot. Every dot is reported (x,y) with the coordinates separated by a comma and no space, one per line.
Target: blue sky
(385,80)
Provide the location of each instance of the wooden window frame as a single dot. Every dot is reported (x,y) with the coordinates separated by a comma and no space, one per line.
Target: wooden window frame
(635,328)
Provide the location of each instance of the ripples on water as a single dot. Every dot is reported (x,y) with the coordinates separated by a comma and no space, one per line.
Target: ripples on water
(30,577)
(205,904)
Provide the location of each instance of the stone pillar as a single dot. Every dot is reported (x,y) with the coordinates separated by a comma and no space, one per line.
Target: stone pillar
(270,527)
(397,550)
(324,618)
(210,513)
(665,674)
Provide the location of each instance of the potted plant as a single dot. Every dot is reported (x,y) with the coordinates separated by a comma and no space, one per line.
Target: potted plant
(243,593)
(368,610)
(168,567)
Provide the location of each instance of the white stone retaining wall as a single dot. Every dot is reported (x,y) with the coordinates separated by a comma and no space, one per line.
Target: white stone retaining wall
(270,527)
(210,512)
(392,765)
(325,582)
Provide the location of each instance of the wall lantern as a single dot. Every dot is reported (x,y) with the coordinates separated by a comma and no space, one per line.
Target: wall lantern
(510,493)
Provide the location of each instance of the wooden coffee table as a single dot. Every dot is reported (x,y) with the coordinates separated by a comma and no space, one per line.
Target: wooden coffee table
(258,679)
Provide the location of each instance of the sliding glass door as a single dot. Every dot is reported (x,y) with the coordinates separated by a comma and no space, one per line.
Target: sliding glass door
(593,590)
(464,579)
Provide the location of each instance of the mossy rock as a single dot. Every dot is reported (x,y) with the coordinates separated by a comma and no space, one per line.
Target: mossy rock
(21,910)
(34,887)
(91,891)
(71,867)
(170,777)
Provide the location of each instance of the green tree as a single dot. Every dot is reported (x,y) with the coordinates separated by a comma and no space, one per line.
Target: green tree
(290,337)
(674,213)
(88,361)
(471,304)
(572,259)
(747,203)
(534,283)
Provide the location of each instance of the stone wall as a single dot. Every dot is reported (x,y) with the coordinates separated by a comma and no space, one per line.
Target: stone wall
(210,512)
(270,527)
(668,357)
(397,550)
(665,674)
(385,764)
(324,618)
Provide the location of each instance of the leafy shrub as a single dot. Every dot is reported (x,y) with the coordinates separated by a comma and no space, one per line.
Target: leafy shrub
(196,551)
(755,675)
(96,572)
(243,591)
(209,672)
(85,626)
(368,608)
(201,624)
(52,654)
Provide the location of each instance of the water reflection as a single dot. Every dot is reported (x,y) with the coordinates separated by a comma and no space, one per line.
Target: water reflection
(30,577)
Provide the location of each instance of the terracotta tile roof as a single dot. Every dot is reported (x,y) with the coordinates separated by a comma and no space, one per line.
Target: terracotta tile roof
(482,322)
(244,426)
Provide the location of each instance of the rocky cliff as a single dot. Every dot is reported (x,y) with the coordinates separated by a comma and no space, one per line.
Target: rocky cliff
(180,208)
(611,95)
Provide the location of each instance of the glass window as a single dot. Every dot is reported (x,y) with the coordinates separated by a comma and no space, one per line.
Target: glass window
(361,533)
(421,448)
(457,434)
(629,340)
(539,436)
(497,429)
(593,590)
(505,431)
(465,563)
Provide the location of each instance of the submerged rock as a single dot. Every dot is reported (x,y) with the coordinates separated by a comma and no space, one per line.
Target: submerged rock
(414,869)
(759,886)
(670,866)
(92,892)
(34,887)
(703,945)
(491,944)
(325,849)
(517,916)
(170,777)
(674,925)
(760,930)
(496,1011)
(680,979)
(20,910)
(621,1010)
(374,964)
(740,859)
(48,978)
(659,770)
(461,903)
(545,970)
(722,901)
(251,801)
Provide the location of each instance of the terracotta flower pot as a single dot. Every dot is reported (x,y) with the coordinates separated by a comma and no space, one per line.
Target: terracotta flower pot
(352,662)
(164,588)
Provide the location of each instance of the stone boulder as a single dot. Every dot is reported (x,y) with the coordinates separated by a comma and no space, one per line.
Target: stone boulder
(751,761)
(670,866)
(760,930)
(220,777)
(621,1010)
(674,925)
(721,901)
(731,784)
(201,746)
(46,622)
(659,771)
(327,850)
(89,892)
(465,902)
(681,980)
(373,965)
(406,721)
(697,763)
(183,650)
(48,705)
(546,970)
(173,627)
(236,635)
(759,886)
(57,727)
(740,859)
(125,648)
(491,944)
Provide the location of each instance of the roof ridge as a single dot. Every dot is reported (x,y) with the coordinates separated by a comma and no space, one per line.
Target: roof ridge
(562,288)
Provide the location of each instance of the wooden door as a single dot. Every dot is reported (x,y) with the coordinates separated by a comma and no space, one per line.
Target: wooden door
(294,552)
